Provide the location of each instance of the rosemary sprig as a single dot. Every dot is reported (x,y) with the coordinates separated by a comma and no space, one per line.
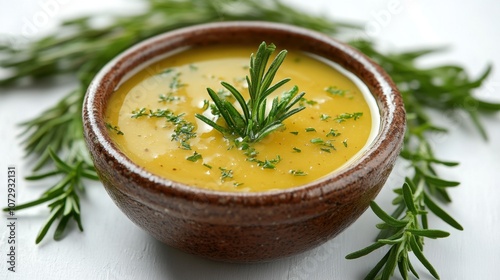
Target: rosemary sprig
(59,130)
(79,47)
(63,196)
(445,87)
(254,123)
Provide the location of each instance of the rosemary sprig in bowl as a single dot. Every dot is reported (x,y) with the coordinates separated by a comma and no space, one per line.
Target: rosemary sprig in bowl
(82,49)
(255,123)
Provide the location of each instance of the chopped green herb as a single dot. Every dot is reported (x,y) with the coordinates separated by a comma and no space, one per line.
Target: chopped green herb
(297,150)
(176,83)
(114,128)
(139,113)
(214,110)
(168,97)
(345,143)
(333,133)
(345,116)
(207,165)
(266,164)
(251,152)
(248,149)
(183,131)
(304,101)
(294,132)
(206,104)
(335,91)
(317,141)
(167,71)
(326,146)
(310,129)
(225,174)
(325,150)
(185,145)
(297,172)
(324,117)
(195,157)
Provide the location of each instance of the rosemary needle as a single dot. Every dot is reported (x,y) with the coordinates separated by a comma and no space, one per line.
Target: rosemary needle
(81,49)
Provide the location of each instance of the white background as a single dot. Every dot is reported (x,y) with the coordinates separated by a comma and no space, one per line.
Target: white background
(111,247)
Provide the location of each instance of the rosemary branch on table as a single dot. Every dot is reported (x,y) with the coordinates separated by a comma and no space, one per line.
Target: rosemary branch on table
(444,87)
(81,48)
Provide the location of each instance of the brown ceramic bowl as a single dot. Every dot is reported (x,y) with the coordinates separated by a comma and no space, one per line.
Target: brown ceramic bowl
(244,227)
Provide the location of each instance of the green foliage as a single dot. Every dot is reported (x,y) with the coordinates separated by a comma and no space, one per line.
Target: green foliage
(81,49)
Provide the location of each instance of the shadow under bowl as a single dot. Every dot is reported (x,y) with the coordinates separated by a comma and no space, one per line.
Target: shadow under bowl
(244,227)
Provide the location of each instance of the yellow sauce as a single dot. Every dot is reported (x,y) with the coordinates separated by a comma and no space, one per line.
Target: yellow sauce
(297,152)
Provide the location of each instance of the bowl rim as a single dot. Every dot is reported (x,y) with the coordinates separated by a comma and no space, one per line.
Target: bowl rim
(391,128)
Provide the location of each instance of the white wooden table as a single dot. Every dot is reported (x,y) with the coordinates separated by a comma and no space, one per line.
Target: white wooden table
(112,247)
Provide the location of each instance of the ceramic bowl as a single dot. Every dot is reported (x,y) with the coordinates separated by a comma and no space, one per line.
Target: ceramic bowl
(244,227)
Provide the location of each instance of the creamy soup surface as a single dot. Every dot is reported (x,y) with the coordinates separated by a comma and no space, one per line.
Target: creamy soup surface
(151,118)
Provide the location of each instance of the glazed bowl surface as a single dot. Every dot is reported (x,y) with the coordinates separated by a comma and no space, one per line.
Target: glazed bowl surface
(255,226)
